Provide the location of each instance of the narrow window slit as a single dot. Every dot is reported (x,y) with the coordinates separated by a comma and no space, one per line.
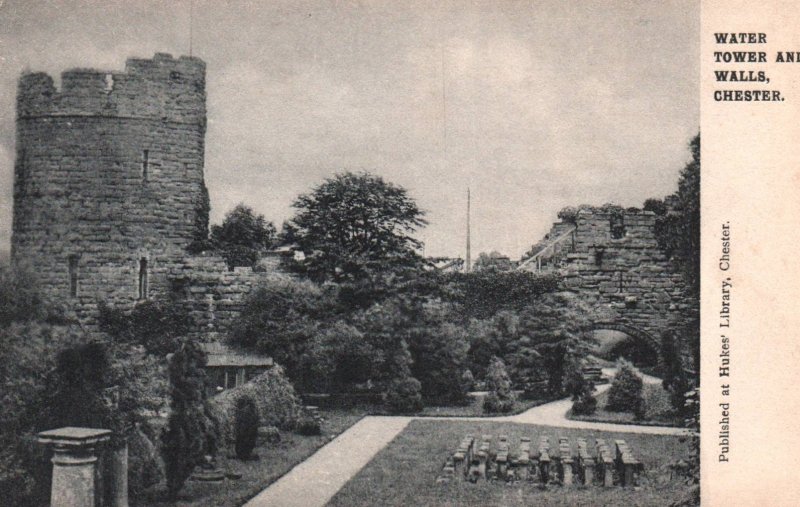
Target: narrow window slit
(73,275)
(145,163)
(143,278)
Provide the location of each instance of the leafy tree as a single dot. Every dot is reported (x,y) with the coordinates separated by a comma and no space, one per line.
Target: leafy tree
(404,392)
(156,325)
(492,337)
(338,358)
(81,375)
(556,332)
(28,356)
(493,261)
(481,294)
(570,213)
(191,432)
(657,206)
(281,318)
(439,351)
(243,236)
(674,377)
(678,234)
(356,224)
(678,231)
(22,301)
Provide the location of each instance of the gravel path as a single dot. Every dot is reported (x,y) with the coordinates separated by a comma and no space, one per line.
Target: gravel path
(313,482)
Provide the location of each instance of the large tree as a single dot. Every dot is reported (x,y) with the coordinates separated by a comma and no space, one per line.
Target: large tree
(678,233)
(242,236)
(354,225)
(678,226)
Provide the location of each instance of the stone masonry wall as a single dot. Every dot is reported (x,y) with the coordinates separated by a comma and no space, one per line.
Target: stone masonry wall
(215,296)
(108,173)
(629,278)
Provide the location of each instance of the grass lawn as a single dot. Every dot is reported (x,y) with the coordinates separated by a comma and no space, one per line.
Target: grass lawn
(658,409)
(475,409)
(275,460)
(404,473)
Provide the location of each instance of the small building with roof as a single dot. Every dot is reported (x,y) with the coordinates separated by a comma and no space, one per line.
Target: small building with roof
(228,367)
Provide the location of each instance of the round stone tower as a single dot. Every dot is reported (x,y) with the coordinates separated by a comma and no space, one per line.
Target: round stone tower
(108,181)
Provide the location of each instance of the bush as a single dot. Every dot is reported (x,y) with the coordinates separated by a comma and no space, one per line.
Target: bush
(625,394)
(22,301)
(277,403)
(404,395)
(439,352)
(467,381)
(308,425)
(270,434)
(144,467)
(281,318)
(501,397)
(586,404)
(246,422)
(155,325)
(493,404)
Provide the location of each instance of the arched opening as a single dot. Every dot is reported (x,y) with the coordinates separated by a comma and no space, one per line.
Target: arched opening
(613,344)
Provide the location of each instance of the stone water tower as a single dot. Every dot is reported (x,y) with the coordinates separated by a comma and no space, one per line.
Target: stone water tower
(108,181)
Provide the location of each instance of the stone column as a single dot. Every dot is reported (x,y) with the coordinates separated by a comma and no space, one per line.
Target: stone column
(74,462)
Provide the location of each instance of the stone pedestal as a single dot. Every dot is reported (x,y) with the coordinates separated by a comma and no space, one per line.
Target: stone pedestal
(118,491)
(74,461)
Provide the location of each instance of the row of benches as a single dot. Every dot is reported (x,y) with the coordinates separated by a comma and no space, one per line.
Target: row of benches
(474,460)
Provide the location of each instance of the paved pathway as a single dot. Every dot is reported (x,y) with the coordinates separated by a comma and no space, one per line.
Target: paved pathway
(313,482)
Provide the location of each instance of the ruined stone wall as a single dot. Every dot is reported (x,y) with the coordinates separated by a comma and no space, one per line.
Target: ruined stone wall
(109,171)
(215,296)
(628,278)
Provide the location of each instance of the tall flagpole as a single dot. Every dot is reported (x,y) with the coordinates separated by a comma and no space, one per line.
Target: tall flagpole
(191,25)
(468,266)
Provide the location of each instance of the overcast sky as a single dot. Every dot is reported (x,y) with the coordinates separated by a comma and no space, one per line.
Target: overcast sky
(534,105)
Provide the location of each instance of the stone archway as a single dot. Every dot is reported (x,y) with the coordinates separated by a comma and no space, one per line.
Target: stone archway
(639,345)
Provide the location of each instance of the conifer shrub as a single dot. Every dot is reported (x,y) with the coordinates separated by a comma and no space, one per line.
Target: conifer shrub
(586,404)
(246,422)
(574,383)
(501,397)
(625,394)
(191,432)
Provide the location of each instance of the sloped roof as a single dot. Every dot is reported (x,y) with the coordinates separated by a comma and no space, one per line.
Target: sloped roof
(221,355)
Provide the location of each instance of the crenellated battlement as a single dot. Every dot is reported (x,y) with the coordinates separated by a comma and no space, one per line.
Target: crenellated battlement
(109,188)
(162,88)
